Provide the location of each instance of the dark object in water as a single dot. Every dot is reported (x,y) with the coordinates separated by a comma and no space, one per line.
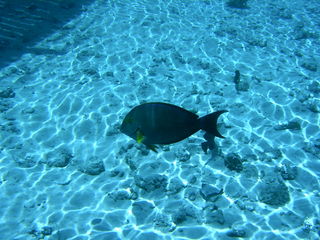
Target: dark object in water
(292,125)
(236,78)
(209,143)
(233,162)
(8,93)
(162,123)
(237,4)
(239,84)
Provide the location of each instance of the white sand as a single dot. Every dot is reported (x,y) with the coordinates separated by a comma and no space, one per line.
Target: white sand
(68,173)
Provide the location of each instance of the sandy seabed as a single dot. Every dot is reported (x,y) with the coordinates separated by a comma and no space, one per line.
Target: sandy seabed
(67,172)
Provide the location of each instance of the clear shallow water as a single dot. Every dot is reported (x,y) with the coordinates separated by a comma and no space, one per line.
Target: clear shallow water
(68,173)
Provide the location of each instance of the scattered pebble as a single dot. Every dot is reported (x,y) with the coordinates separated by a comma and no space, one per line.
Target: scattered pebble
(310,65)
(236,233)
(273,192)
(58,158)
(292,125)
(233,162)
(288,172)
(152,182)
(8,93)
(210,193)
(142,210)
(92,166)
(46,231)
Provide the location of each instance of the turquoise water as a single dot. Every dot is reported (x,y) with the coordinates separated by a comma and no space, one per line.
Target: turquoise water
(67,172)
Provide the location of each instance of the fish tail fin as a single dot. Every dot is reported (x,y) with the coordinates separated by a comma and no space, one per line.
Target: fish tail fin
(208,123)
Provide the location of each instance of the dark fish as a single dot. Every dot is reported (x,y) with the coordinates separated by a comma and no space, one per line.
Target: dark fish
(162,123)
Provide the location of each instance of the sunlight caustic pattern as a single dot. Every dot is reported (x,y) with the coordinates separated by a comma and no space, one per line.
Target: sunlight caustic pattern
(68,173)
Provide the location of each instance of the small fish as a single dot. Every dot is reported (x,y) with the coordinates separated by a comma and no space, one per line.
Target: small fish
(162,123)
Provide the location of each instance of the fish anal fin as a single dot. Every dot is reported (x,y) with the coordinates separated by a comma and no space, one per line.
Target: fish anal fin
(152,148)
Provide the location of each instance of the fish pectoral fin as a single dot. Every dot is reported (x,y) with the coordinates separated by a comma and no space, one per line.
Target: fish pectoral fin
(140,137)
(152,148)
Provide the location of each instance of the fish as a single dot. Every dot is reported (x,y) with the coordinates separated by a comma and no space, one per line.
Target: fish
(158,123)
